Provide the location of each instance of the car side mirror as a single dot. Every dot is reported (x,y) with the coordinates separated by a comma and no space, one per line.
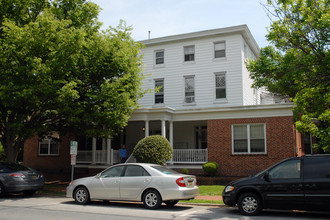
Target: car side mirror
(98,175)
(266,176)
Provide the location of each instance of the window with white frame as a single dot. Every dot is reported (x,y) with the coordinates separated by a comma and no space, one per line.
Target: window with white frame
(48,146)
(159,91)
(189,53)
(159,57)
(219,49)
(220,86)
(189,90)
(249,138)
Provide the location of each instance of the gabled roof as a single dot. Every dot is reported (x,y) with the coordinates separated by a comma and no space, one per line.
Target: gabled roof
(241,29)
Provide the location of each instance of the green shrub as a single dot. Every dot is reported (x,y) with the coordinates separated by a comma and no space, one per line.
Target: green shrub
(153,149)
(211,168)
(185,171)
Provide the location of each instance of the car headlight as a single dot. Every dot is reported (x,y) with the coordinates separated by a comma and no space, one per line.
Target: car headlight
(229,188)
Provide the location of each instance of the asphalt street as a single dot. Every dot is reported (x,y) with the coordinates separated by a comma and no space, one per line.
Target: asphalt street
(39,207)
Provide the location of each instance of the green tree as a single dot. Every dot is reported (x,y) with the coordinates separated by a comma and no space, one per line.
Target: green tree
(153,149)
(297,63)
(59,72)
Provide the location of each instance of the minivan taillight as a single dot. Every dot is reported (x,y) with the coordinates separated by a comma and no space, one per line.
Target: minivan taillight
(181,182)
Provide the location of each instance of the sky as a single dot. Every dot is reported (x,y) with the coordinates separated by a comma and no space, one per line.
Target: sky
(171,17)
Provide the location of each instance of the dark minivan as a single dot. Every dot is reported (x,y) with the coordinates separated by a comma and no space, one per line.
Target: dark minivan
(299,183)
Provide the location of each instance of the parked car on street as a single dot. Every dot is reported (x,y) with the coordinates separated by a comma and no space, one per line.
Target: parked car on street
(18,178)
(150,183)
(299,183)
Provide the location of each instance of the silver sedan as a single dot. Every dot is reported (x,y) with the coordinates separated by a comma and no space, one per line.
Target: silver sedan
(150,183)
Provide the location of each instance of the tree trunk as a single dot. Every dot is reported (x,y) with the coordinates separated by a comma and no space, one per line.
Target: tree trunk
(11,149)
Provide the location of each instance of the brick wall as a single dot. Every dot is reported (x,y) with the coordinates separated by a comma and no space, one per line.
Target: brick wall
(280,144)
(52,166)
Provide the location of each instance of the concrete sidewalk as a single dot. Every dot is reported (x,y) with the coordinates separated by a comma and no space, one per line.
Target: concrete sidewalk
(209,197)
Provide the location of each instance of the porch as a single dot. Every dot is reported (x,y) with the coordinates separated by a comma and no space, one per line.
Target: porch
(180,156)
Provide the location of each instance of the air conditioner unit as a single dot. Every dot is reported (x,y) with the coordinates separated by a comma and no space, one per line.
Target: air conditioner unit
(189,99)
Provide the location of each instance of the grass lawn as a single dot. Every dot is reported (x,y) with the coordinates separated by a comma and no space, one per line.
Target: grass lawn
(214,190)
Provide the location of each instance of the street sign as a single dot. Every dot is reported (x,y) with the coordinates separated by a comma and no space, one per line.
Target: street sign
(73,147)
(73,159)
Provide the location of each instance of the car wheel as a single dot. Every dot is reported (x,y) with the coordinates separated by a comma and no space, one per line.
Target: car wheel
(81,195)
(2,190)
(152,199)
(171,203)
(29,192)
(249,204)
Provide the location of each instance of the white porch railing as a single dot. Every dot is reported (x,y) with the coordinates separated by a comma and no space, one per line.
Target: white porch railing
(187,156)
(84,156)
(100,156)
(193,156)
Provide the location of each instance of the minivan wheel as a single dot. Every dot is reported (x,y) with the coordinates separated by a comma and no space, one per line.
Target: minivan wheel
(249,204)
(152,199)
(81,195)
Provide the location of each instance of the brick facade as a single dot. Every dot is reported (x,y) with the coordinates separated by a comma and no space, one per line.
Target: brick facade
(280,144)
(54,167)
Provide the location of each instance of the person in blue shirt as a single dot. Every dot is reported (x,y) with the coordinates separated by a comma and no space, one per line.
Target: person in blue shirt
(123,154)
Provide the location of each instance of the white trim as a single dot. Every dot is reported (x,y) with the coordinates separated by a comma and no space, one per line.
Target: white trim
(248,140)
(240,29)
(253,111)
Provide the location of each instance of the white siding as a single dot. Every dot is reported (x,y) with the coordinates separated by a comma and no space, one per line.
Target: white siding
(203,68)
(249,97)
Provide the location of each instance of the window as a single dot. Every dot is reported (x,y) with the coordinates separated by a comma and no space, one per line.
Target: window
(317,168)
(48,146)
(189,89)
(249,138)
(135,171)
(112,172)
(189,53)
(159,91)
(287,170)
(159,57)
(220,85)
(219,50)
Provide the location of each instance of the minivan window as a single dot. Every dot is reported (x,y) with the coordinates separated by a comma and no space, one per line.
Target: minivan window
(317,168)
(290,169)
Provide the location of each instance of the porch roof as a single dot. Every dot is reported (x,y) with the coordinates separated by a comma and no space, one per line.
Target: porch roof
(251,111)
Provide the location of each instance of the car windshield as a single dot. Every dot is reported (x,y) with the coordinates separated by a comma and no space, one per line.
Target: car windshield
(15,167)
(164,170)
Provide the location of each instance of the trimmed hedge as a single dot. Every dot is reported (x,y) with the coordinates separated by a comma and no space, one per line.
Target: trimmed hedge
(211,168)
(153,149)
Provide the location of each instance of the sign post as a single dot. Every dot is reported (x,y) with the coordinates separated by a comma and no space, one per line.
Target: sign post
(73,154)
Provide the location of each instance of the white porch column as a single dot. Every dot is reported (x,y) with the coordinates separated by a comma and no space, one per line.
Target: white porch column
(94,151)
(171,133)
(171,138)
(146,126)
(108,151)
(163,128)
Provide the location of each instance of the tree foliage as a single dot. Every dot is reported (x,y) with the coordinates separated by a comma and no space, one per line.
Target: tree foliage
(153,149)
(297,63)
(59,72)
